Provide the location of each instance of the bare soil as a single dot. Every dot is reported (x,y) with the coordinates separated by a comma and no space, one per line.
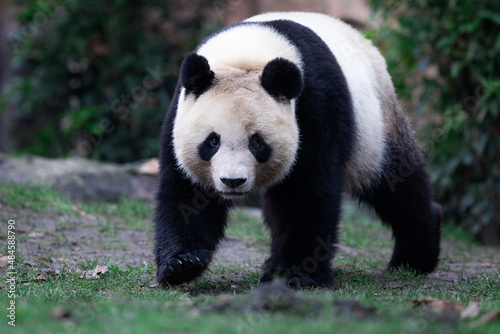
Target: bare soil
(55,240)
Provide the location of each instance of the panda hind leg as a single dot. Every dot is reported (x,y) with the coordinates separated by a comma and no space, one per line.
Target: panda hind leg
(402,198)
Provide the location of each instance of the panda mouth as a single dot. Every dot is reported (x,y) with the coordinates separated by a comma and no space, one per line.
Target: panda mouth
(233,194)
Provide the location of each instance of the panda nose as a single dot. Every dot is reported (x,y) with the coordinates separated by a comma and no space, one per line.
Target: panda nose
(233,183)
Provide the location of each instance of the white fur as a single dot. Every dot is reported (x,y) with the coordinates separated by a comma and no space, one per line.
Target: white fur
(236,107)
(356,57)
(248,47)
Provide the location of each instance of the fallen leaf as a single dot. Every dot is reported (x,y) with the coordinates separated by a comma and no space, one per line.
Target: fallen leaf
(40,277)
(36,235)
(63,260)
(93,274)
(150,167)
(351,308)
(60,313)
(471,311)
(4,261)
(99,270)
(89,274)
(439,305)
(487,318)
(69,271)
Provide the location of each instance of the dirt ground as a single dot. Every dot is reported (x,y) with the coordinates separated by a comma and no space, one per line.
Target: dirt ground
(58,240)
(52,239)
(55,240)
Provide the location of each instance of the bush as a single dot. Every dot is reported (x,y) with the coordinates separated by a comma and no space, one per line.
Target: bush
(95,77)
(444,57)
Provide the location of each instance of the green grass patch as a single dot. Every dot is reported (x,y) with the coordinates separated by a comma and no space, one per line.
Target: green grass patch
(129,213)
(247,227)
(132,214)
(36,199)
(358,229)
(125,299)
(456,233)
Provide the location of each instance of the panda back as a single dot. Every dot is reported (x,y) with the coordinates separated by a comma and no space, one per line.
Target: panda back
(247,47)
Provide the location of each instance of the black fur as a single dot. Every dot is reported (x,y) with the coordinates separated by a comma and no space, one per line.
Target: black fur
(233,183)
(209,147)
(189,221)
(402,199)
(259,148)
(281,77)
(303,210)
(196,75)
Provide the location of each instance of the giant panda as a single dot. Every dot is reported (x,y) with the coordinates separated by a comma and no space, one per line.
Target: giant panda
(299,107)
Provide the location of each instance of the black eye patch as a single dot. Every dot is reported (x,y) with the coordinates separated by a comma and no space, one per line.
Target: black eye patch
(259,148)
(209,147)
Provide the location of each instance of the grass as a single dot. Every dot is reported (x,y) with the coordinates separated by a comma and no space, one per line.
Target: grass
(125,299)
(35,199)
(131,213)
(357,225)
(245,227)
(40,201)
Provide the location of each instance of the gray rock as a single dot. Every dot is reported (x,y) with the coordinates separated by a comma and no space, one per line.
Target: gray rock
(80,179)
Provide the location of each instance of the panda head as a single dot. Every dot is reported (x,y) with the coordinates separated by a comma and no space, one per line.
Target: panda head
(235,130)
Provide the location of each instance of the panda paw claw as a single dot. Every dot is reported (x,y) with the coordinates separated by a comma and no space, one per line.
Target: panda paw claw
(183,267)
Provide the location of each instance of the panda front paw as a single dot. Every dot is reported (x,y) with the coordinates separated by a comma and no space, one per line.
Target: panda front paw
(294,281)
(295,278)
(422,264)
(183,267)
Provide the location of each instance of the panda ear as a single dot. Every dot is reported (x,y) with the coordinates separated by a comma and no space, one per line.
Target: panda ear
(281,77)
(196,76)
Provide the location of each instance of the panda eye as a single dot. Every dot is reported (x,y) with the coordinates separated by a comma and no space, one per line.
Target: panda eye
(259,148)
(210,146)
(214,142)
(255,142)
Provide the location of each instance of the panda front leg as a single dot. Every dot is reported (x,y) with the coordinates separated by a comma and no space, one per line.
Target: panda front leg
(303,228)
(189,223)
(403,199)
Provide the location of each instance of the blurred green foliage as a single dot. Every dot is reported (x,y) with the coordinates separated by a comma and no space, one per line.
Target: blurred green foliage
(444,57)
(95,78)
